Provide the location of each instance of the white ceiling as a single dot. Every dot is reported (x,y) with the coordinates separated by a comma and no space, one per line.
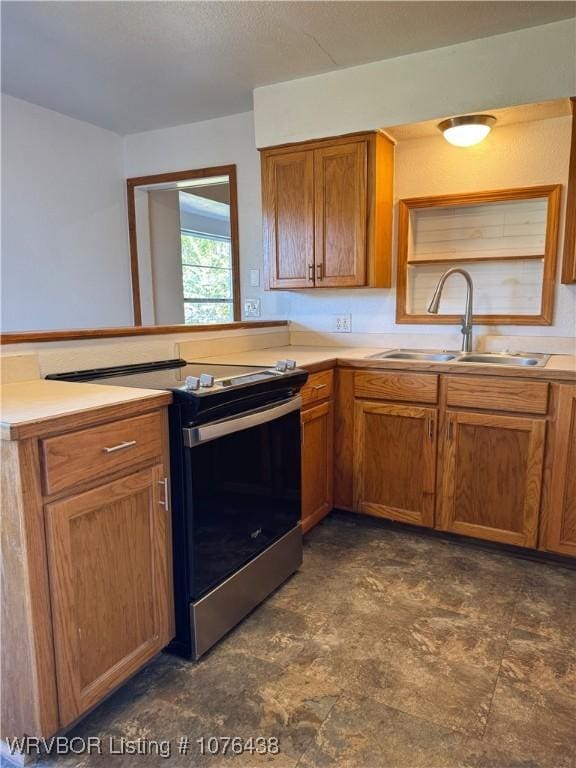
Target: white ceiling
(204,206)
(135,66)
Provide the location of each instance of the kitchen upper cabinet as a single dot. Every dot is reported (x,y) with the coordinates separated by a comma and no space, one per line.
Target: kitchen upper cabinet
(327,209)
(340,214)
(288,203)
(317,455)
(395,461)
(559,516)
(492,476)
(110,585)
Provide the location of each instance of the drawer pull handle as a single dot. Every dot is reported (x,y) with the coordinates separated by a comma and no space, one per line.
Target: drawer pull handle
(165,502)
(120,446)
(319,386)
(319,271)
(310,272)
(431,428)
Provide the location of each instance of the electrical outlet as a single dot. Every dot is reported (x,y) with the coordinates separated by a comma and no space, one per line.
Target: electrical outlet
(342,323)
(252,308)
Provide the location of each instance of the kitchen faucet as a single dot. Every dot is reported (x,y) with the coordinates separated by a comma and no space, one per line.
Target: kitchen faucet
(467,319)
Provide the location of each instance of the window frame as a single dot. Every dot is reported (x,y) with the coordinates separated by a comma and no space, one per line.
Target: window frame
(545,317)
(162,178)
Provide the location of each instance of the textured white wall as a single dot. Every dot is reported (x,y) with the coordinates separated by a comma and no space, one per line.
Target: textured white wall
(223,141)
(64,240)
(529,65)
(65,256)
(58,166)
(166,256)
(517,155)
(522,154)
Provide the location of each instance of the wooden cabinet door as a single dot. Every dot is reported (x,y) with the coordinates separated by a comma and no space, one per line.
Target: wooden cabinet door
(559,530)
(110,583)
(395,461)
(492,477)
(288,210)
(340,236)
(317,431)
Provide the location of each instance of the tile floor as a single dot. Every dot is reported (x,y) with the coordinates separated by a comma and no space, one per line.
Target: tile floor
(389,649)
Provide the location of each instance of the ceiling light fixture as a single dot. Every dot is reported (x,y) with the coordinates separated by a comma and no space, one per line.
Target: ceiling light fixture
(466,130)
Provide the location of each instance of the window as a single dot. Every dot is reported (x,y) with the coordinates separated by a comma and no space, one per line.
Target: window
(207,278)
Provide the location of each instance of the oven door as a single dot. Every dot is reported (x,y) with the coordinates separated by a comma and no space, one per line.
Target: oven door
(243,489)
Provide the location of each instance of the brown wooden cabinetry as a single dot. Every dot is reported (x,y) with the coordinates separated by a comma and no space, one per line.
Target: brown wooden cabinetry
(465,454)
(288,184)
(109,585)
(559,515)
(395,461)
(86,562)
(317,430)
(327,210)
(340,214)
(317,422)
(492,477)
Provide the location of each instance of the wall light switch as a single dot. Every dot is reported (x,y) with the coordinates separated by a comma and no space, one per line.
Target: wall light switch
(254,278)
(342,323)
(252,308)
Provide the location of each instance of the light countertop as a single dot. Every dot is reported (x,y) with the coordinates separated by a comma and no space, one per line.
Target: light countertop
(30,403)
(558,367)
(304,356)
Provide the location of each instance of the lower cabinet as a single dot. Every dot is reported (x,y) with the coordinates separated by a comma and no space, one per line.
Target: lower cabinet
(465,454)
(559,529)
(86,561)
(110,585)
(492,471)
(317,460)
(395,461)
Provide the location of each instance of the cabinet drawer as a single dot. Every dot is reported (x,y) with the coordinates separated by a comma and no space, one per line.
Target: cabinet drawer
(405,387)
(79,457)
(497,394)
(318,387)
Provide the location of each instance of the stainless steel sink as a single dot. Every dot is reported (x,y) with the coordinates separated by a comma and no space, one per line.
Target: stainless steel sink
(444,356)
(416,354)
(515,358)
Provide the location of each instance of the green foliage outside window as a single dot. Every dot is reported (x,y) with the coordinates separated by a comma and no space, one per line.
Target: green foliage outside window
(207,278)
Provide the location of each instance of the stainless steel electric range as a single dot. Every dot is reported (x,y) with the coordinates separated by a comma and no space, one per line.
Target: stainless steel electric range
(236,488)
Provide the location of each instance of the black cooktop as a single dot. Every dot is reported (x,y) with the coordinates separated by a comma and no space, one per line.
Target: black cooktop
(173,374)
(222,383)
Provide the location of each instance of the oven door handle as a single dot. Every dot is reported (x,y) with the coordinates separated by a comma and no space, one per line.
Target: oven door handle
(197,435)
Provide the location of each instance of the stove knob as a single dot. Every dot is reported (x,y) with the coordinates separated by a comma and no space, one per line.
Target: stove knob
(290,365)
(281,365)
(206,380)
(191,383)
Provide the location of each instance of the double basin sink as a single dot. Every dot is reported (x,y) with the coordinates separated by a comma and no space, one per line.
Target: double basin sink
(443,356)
